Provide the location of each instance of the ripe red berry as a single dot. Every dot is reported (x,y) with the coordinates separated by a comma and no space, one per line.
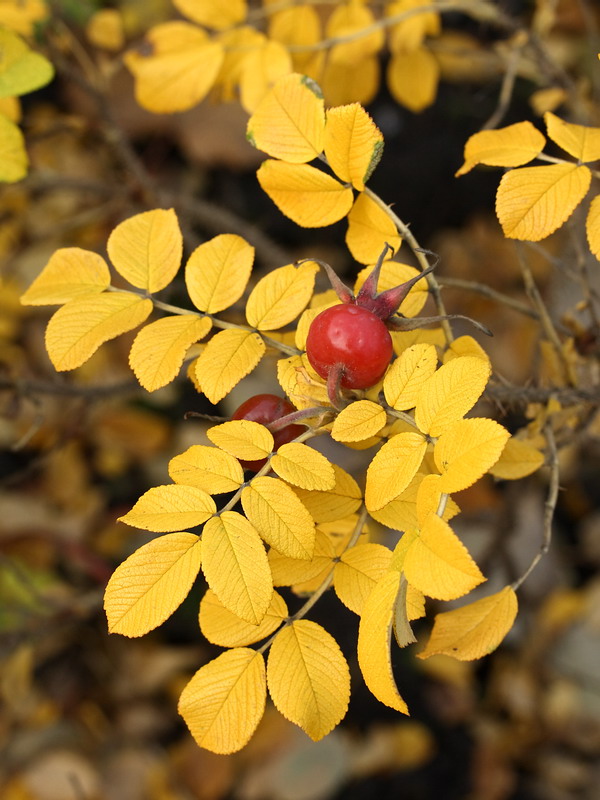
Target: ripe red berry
(353,337)
(265,408)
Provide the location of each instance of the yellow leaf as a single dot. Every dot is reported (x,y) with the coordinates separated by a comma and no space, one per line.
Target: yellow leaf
(466,450)
(308,196)
(429,496)
(465,346)
(207,468)
(353,144)
(146,249)
(176,67)
(170,508)
(263,67)
(21,69)
(217,272)
(413,78)
(357,572)
(358,421)
(280,296)
(409,34)
(415,603)
(407,375)
(159,349)
(439,564)
(289,571)
(289,123)
(13,156)
(301,383)
(304,467)
(333,504)
(239,43)
(21,15)
(350,20)
(105,29)
(242,438)
(401,512)
(308,678)
(579,141)
(369,228)
(299,26)
(393,468)
(504,147)
(210,703)
(592,226)
(474,630)
(392,274)
(375,640)
(236,567)
(213,15)
(405,339)
(77,330)
(221,627)
(348,83)
(450,392)
(518,459)
(532,202)
(10,107)
(227,358)
(149,585)
(280,517)
(401,549)
(71,272)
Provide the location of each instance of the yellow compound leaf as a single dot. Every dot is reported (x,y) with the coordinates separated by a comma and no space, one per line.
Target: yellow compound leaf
(465,346)
(413,79)
(308,678)
(474,630)
(409,34)
(333,504)
(13,156)
(532,202)
(207,468)
(236,567)
(579,141)
(347,83)
(512,146)
(71,272)
(146,249)
(299,26)
(217,272)
(281,296)
(358,421)
(393,468)
(439,564)
(450,392)
(223,628)
(407,375)
(280,517)
(518,459)
(358,571)
(242,438)
(369,228)
(176,67)
(350,20)
(353,144)
(159,349)
(211,702)
(304,467)
(148,586)
(78,329)
(289,571)
(308,196)
(466,450)
(375,640)
(21,15)
(262,68)
(170,508)
(393,274)
(289,123)
(21,69)
(227,358)
(592,226)
(213,15)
